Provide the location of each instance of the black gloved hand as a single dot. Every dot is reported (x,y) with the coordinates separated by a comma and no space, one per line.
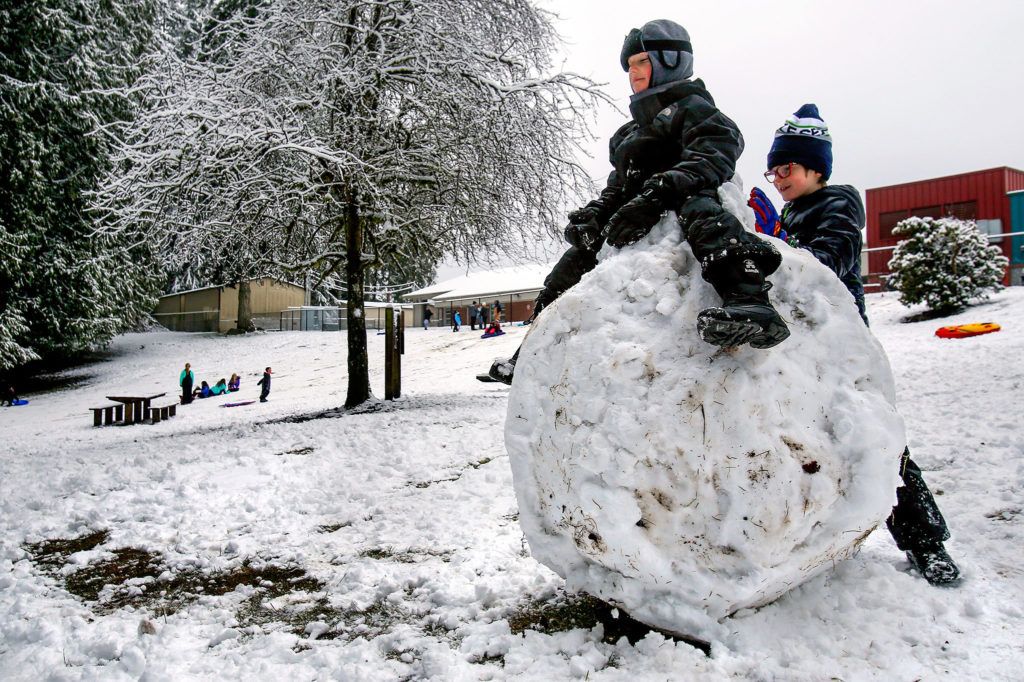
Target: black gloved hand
(634,220)
(583,230)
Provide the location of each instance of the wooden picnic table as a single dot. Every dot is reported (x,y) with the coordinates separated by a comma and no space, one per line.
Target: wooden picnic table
(136,407)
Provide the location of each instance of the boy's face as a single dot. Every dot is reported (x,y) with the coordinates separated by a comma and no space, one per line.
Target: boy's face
(798,182)
(639,72)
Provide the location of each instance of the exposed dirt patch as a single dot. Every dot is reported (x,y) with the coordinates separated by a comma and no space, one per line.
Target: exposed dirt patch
(928,315)
(567,612)
(458,474)
(792,444)
(129,570)
(131,576)
(296,451)
(411,555)
(332,527)
(49,553)
(1007,514)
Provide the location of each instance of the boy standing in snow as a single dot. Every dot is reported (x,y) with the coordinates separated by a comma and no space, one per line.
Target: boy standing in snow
(265,383)
(672,156)
(827,221)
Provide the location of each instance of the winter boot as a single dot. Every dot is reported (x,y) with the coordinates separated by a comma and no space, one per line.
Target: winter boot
(503,370)
(746,315)
(935,564)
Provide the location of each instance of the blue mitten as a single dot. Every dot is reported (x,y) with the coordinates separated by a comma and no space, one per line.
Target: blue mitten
(767,218)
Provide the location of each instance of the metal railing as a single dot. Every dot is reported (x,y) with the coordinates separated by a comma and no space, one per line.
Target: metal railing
(202,321)
(875,249)
(996,237)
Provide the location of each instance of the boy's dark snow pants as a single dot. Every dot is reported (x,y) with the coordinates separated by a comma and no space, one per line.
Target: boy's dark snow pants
(915,521)
(708,228)
(569,270)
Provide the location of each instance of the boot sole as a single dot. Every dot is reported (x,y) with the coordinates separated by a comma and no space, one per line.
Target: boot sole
(507,380)
(729,333)
(726,333)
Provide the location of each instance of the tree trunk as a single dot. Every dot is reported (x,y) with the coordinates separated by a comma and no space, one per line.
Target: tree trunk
(244,323)
(358,363)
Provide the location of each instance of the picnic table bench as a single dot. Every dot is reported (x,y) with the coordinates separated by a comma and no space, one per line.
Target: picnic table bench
(132,409)
(157,413)
(107,414)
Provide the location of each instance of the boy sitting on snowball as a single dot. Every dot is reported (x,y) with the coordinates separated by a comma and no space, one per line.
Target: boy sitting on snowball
(672,156)
(827,220)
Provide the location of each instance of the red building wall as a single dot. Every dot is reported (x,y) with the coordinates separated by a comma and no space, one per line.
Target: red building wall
(979,195)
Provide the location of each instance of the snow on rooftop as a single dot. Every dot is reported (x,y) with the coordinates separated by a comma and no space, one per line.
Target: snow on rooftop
(529,277)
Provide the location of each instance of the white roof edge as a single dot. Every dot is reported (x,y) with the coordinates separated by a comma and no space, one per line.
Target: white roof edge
(222,286)
(487,294)
(509,280)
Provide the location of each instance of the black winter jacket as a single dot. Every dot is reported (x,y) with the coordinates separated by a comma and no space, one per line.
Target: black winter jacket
(828,223)
(676,130)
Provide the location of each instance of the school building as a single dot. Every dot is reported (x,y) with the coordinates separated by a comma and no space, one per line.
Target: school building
(215,308)
(514,287)
(994,198)
(276,306)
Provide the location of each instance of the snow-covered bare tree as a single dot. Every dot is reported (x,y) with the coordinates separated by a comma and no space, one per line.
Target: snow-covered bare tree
(945,263)
(339,137)
(63,67)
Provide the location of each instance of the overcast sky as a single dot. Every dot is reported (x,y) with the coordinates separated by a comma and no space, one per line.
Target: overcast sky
(910,89)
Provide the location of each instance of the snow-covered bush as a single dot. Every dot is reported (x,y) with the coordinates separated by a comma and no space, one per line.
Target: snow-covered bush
(681,481)
(944,263)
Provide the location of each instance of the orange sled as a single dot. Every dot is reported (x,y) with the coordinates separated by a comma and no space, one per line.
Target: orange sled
(961,331)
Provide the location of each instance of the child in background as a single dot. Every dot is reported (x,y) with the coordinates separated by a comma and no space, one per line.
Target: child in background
(265,383)
(203,391)
(7,394)
(827,221)
(234,383)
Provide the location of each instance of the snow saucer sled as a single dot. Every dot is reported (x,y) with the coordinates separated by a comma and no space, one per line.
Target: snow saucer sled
(962,331)
(680,481)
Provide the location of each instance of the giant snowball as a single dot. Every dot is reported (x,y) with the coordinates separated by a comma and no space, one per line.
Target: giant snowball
(682,481)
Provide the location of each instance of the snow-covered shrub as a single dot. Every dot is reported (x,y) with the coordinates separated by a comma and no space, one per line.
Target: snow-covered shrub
(944,263)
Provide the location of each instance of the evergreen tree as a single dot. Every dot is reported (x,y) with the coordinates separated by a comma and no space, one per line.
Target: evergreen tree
(64,68)
(944,263)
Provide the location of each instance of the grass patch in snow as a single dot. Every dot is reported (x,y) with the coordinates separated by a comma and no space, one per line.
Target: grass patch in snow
(313,616)
(128,571)
(571,611)
(408,556)
(139,578)
(283,596)
(457,476)
(332,527)
(296,451)
(50,553)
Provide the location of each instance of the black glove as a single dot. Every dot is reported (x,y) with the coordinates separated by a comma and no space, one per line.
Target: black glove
(634,220)
(583,230)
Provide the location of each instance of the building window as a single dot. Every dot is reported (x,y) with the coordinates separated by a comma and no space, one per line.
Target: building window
(887,221)
(964,210)
(928,212)
(990,226)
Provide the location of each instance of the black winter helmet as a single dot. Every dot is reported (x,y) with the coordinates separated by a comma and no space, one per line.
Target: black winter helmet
(668,43)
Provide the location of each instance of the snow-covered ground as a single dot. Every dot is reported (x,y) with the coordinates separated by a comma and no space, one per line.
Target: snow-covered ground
(386,543)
